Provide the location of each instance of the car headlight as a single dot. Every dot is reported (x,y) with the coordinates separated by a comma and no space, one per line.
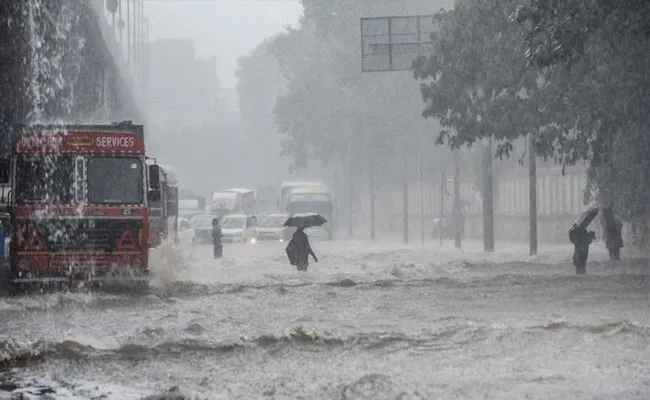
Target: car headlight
(253,240)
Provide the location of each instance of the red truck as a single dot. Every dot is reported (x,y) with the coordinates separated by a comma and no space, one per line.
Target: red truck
(79,204)
(163,207)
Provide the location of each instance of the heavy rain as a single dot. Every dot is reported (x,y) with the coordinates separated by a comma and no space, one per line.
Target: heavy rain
(324,199)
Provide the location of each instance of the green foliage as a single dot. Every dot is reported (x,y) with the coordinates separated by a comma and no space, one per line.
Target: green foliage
(476,81)
(572,73)
(594,56)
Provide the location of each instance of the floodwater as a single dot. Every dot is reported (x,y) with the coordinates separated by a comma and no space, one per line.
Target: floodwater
(369,321)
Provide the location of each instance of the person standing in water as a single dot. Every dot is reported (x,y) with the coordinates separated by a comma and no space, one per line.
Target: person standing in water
(217,247)
(612,229)
(581,239)
(299,250)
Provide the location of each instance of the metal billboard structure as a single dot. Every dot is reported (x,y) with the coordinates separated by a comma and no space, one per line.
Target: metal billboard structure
(393,43)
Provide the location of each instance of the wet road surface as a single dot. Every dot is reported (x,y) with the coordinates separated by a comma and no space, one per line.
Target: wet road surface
(369,321)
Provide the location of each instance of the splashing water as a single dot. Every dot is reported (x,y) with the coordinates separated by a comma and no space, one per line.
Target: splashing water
(169,263)
(55,48)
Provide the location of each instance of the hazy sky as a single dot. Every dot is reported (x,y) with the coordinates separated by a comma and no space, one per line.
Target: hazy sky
(227,29)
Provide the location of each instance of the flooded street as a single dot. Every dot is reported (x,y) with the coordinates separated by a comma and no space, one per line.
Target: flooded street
(369,321)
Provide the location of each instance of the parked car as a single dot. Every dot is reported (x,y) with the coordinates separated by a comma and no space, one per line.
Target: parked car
(185,231)
(202,224)
(238,228)
(272,228)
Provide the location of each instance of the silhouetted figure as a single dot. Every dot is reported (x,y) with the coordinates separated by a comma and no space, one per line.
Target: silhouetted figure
(612,228)
(298,250)
(581,239)
(217,247)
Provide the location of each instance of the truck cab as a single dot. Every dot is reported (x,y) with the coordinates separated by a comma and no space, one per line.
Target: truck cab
(77,196)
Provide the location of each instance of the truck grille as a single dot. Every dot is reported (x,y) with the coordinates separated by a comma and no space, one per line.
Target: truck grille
(86,234)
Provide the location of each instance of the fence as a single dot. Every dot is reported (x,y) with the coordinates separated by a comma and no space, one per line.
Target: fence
(559,201)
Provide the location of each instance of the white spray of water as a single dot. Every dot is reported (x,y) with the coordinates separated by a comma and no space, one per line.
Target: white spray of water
(55,45)
(55,51)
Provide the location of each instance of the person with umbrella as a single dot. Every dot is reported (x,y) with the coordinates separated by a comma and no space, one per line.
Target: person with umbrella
(581,239)
(298,250)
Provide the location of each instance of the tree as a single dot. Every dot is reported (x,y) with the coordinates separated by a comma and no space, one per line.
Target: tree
(260,83)
(331,105)
(594,55)
(476,81)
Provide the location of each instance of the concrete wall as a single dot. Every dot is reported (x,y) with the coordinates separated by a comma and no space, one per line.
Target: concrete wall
(559,200)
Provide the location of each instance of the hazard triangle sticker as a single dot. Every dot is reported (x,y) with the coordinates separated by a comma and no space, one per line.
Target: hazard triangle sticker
(126,242)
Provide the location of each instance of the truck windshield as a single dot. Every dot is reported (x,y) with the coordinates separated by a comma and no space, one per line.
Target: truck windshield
(115,180)
(45,179)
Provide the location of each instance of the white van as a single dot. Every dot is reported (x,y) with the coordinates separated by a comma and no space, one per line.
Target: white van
(238,228)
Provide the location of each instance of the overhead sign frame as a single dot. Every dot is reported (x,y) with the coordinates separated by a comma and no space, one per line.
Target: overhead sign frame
(393,43)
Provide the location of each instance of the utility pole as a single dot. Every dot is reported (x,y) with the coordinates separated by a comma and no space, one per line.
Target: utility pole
(421,179)
(457,206)
(405,194)
(337,190)
(488,199)
(373,194)
(532,194)
(350,191)
(442,205)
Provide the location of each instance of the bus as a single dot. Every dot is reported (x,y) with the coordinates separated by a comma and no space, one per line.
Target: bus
(317,200)
(266,199)
(287,187)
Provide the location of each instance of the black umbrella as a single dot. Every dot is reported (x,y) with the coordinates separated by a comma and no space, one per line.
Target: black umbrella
(305,220)
(586,217)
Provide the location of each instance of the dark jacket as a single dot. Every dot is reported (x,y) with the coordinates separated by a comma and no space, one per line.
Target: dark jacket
(581,239)
(216,234)
(612,228)
(299,249)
